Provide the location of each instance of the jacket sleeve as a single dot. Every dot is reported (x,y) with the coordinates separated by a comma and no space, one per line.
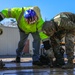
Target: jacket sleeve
(42,35)
(39,29)
(13,12)
(67,24)
(5,12)
(64,22)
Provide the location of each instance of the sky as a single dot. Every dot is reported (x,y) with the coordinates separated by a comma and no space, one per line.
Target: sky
(49,8)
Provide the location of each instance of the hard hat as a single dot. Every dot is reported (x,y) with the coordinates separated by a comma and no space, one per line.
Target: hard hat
(29,13)
(30,16)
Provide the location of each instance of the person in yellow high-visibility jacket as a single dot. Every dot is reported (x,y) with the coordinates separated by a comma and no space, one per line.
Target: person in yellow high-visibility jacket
(29,20)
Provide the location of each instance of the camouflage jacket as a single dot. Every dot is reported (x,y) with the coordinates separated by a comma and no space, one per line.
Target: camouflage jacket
(65,20)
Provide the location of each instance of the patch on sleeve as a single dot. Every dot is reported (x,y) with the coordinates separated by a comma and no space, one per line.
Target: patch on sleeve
(58,16)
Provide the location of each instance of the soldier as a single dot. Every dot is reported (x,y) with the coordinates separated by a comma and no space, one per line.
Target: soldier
(59,26)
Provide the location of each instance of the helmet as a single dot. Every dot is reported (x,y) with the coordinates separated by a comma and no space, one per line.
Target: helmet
(48,28)
(29,13)
(30,16)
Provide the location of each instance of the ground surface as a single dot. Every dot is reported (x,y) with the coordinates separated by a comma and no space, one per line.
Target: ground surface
(26,68)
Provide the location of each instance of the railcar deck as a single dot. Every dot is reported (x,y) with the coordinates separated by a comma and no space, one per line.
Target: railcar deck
(26,68)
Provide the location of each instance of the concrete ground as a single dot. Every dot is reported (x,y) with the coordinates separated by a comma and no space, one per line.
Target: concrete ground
(26,68)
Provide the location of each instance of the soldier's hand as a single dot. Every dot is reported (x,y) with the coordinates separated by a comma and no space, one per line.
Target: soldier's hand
(1,31)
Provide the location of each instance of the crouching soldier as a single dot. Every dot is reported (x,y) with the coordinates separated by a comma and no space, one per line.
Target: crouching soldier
(61,25)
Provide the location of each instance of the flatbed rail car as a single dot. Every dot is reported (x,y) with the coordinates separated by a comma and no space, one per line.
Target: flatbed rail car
(25,67)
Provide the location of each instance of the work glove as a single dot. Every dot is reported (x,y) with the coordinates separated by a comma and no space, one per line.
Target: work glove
(1,31)
(46,44)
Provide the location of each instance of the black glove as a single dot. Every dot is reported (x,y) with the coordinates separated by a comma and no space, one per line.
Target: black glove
(47,45)
(1,31)
(1,16)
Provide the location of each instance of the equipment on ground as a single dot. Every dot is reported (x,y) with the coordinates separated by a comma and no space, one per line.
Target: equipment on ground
(1,64)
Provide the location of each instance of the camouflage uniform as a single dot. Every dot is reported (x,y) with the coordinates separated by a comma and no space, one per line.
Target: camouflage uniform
(64,24)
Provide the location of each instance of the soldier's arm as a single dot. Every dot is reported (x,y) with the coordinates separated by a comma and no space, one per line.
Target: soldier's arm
(67,24)
(64,22)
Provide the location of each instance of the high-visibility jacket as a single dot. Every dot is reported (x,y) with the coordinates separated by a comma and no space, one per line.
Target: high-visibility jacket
(23,25)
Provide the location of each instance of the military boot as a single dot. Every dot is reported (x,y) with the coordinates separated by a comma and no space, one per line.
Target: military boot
(68,65)
(17,59)
(59,62)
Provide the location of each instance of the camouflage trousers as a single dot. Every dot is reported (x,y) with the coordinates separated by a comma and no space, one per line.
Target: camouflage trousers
(69,46)
(56,39)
